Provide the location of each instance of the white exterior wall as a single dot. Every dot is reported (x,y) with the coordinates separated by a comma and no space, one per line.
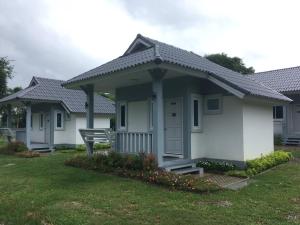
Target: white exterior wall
(37,134)
(258,129)
(66,135)
(222,134)
(138,114)
(70,134)
(99,122)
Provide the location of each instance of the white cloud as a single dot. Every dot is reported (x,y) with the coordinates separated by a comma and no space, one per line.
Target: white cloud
(61,39)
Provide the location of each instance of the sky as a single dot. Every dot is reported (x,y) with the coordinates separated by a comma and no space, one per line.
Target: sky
(61,39)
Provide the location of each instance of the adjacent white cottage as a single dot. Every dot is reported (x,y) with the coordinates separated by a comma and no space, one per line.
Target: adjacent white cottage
(55,114)
(182,107)
(286,117)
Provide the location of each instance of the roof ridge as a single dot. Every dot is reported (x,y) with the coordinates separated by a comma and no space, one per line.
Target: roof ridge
(173,46)
(267,71)
(46,78)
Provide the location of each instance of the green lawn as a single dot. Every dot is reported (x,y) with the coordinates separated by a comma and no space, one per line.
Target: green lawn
(44,191)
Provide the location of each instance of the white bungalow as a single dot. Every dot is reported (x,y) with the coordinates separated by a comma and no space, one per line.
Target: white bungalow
(183,107)
(286,118)
(54,114)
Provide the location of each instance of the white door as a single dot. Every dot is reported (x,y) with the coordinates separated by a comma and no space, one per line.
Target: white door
(47,128)
(173,126)
(296,118)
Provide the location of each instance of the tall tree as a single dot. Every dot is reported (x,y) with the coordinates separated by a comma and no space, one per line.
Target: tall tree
(233,63)
(6,70)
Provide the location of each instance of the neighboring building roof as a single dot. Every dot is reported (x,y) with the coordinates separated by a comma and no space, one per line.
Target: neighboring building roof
(163,53)
(282,80)
(44,89)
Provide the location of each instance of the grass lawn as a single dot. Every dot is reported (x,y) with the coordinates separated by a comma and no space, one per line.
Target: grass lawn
(44,191)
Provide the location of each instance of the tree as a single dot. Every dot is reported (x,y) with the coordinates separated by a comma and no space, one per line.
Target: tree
(6,70)
(18,112)
(233,63)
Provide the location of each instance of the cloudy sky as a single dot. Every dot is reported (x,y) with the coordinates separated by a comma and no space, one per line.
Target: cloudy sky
(63,38)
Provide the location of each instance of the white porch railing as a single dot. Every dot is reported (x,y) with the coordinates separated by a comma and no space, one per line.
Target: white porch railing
(134,142)
(97,136)
(14,134)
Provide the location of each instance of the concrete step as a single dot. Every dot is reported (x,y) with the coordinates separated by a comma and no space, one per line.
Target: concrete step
(180,166)
(292,141)
(192,170)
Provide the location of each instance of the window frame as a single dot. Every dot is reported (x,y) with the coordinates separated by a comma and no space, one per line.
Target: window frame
(120,105)
(199,127)
(275,112)
(213,111)
(62,120)
(41,121)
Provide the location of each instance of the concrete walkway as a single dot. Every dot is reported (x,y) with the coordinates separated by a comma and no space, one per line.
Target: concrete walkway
(224,181)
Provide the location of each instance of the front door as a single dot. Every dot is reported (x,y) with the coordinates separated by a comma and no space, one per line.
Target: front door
(47,128)
(173,126)
(296,118)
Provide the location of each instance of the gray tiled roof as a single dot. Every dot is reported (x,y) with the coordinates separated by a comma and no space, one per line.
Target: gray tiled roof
(52,90)
(282,80)
(173,55)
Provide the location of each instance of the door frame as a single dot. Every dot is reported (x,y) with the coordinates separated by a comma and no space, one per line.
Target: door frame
(181,155)
(47,127)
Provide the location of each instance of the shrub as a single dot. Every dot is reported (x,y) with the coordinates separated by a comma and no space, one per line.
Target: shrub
(28,154)
(172,180)
(256,166)
(101,146)
(278,140)
(237,173)
(63,147)
(80,148)
(149,162)
(13,147)
(142,167)
(216,166)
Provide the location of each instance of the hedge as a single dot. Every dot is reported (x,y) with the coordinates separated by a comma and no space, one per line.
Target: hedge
(142,167)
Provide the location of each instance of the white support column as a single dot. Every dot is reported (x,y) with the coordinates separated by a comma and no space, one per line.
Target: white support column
(28,126)
(158,114)
(89,91)
(52,121)
(285,122)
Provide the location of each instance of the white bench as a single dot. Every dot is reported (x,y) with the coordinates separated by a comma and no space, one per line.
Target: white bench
(91,136)
(8,133)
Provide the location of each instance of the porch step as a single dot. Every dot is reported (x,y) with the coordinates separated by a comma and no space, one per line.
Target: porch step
(188,168)
(292,141)
(180,166)
(192,170)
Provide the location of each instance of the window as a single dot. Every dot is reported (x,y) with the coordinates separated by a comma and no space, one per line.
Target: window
(41,121)
(122,116)
(196,116)
(59,120)
(213,104)
(31,121)
(277,112)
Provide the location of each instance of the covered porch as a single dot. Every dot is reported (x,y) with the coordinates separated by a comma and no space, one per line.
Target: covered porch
(37,131)
(158,111)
